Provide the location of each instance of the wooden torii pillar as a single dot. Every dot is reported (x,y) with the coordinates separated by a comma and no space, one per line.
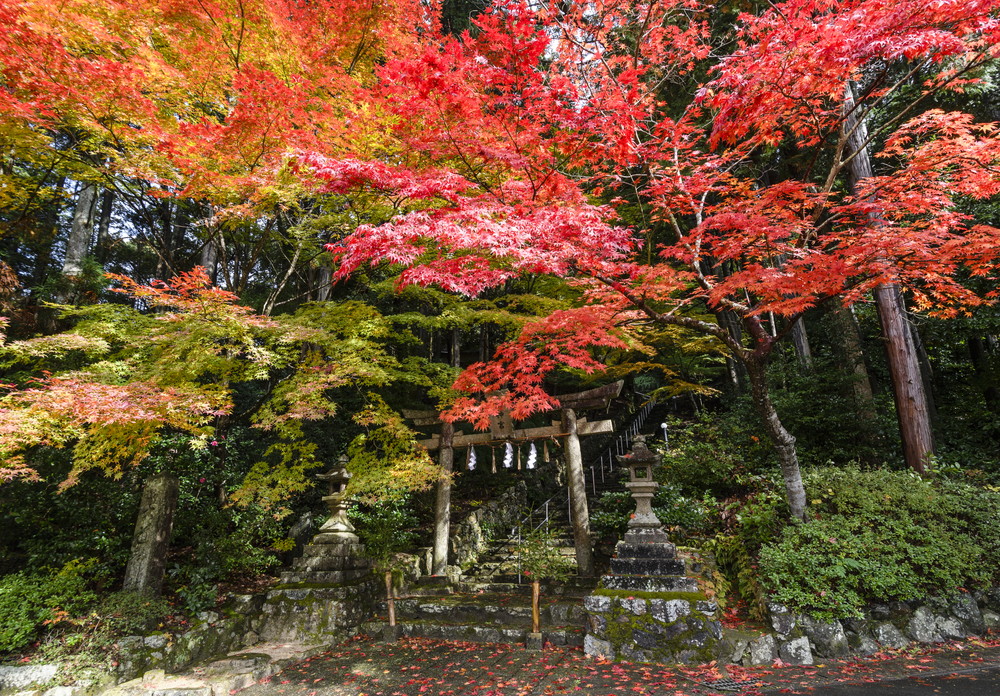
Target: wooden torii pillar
(502,430)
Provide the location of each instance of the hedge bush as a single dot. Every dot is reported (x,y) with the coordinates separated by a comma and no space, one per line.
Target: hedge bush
(878,536)
(31,601)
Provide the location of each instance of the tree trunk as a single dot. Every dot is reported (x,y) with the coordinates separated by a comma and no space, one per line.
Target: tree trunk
(147,561)
(912,406)
(783,441)
(324,282)
(800,339)
(578,496)
(103,246)
(442,505)
(209,259)
(81,231)
(851,353)
(390,598)
(847,344)
(926,370)
(985,372)
(536,619)
(165,258)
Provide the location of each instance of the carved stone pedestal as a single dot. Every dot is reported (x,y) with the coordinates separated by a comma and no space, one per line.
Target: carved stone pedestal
(648,609)
(330,590)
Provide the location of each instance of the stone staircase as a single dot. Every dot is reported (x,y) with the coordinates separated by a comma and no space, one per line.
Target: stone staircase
(491,617)
(491,602)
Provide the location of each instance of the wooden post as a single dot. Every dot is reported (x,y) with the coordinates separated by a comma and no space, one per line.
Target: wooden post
(536,621)
(390,598)
(577,496)
(442,507)
(147,561)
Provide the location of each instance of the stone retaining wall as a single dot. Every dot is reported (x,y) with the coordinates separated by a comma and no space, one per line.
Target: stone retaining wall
(800,639)
(667,628)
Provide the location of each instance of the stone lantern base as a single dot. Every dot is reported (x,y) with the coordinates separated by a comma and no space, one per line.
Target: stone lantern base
(648,609)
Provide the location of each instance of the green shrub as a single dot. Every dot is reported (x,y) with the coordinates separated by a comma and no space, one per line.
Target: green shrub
(880,536)
(715,453)
(130,613)
(688,516)
(31,601)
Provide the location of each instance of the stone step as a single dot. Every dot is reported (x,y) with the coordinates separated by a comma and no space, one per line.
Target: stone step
(491,610)
(575,587)
(650,583)
(332,577)
(647,566)
(222,677)
(477,633)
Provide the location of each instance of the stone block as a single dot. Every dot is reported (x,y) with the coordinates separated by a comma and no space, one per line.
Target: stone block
(827,637)
(533,641)
(900,613)
(22,676)
(624,549)
(156,642)
(922,626)
(856,624)
(991,620)
(991,599)
(762,651)
(866,645)
(796,651)
(596,647)
(669,610)
(965,609)
(597,603)
(707,607)
(634,605)
(782,620)
(950,628)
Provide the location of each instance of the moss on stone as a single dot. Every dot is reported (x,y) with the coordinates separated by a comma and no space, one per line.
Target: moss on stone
(639,594)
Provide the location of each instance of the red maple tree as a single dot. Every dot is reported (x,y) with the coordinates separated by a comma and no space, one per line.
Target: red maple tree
(545,102)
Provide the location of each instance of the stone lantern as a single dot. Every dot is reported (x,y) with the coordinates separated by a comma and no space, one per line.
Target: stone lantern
(338,525)
(640,462)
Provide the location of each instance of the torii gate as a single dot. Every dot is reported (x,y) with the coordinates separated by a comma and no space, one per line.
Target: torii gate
(502,430)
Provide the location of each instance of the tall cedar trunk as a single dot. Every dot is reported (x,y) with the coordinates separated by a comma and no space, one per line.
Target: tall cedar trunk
(456,347)
(390,598)
(783,441)
(737,371)
(800,339)
(153,526)
(985,372)
(578,497)
(729,320)
(912,406)
(165,258)
(324,280)
(847,342)
(81,231)
(103,246)
(209,259)
(926,371)
(442,505)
